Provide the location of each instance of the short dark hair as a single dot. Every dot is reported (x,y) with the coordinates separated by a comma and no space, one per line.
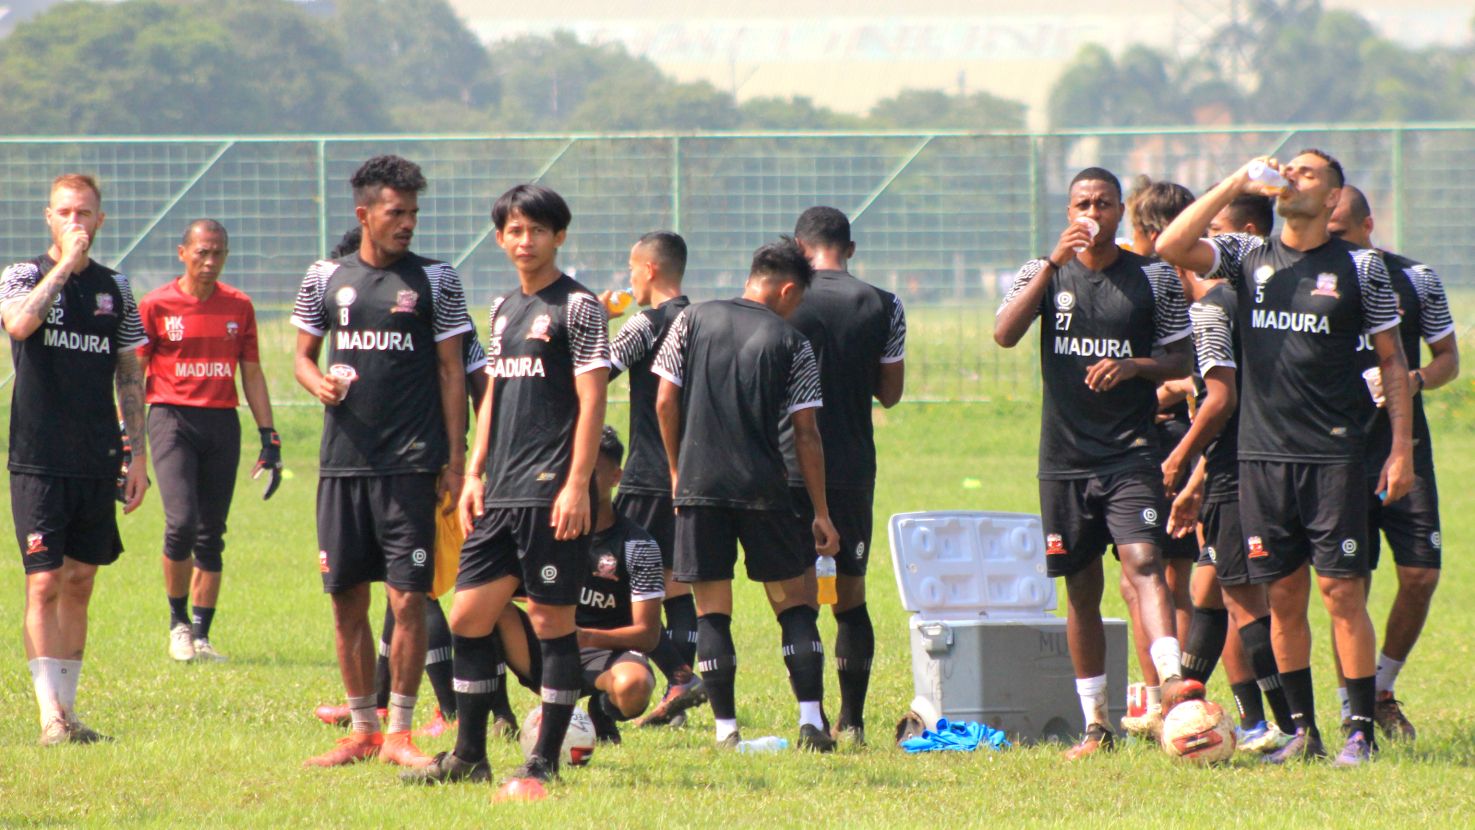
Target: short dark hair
(610,446)
(204,226)
(1099,174)
(538,203)
(1253,207)
(667,248)
(1153,205)
(1331,161)
(380,172)
(352,239)
(1358,208)
(824,227)
(783,261)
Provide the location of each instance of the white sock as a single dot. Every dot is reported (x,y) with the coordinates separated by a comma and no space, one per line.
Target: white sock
(809,712)
(1388,670)
(1346,705)
(401,712)
(725,727)
(1167,657)
(365,719)
(70,673)
(43,678)
(1154,698)
(1092,691)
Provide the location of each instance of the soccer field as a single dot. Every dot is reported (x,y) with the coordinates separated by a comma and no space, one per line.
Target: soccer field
(222,745)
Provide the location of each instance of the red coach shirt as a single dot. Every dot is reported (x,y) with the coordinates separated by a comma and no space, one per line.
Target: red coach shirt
(195,348)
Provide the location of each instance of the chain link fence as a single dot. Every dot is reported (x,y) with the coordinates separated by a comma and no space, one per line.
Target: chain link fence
(943,219)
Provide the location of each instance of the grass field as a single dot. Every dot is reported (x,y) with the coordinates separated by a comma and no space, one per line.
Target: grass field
(221,745)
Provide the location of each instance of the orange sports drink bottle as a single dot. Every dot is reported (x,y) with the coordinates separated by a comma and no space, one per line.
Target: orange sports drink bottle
(619,301)
(824,572)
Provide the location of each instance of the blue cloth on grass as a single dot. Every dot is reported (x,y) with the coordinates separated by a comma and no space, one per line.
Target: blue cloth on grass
(960,737)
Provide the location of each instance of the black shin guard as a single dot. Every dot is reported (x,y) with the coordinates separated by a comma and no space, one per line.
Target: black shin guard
(563,677)
(1255,638)
(717,663)
(381,666)
(438,652)
(804,653)
(1206,632)
(681,626)
(855,646)
(475,681)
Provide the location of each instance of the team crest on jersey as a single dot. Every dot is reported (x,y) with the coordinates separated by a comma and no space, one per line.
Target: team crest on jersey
(1263,274)
(539,329)
(499,326)
(104,305)
(345,296)
(1257,548)
(174,329)
(1326,286)
(1065,301)
(35,544)
(232,328)
(606,568)
(404,302)
(1054,545)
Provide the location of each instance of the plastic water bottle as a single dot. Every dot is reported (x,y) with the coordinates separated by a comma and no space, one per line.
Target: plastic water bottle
(824,572)
(768,743)
(1266,175)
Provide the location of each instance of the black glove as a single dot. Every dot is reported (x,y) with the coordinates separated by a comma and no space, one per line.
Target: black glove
(269,460)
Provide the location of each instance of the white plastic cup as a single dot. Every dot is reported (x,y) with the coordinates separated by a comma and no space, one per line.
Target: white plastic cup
(1260,171)
(1373,377)
(1090,226)
(344,375)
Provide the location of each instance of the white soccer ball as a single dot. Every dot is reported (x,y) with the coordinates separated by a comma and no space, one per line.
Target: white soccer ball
(1199,731)
(578,743)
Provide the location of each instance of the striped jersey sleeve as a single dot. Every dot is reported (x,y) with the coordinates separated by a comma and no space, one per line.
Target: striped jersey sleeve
(671,359)
(449,301)
(310,311)
(1379,303)
(474,356)
(1169,309)
(1213,337)
(1230,250)
(804,391)
(18,281)
(643,564)
(1435,321)
(633,343)
(1026,275)
(588,333)
(129,334)
(896,336)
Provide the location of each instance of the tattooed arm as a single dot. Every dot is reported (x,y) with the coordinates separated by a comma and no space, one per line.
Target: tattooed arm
(130,400)
(24,314)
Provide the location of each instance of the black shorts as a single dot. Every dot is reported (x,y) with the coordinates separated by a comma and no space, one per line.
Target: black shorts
(1411,525)
(597,661)
(653,512)
(850,510)
(707,541)
(379,529)
(61,516)
(1294,513)
(519,541)
(1082,516)
(1224,542)
(1181,548)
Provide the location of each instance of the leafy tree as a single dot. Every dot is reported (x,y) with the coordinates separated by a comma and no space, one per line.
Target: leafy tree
(420,48)
(930,109)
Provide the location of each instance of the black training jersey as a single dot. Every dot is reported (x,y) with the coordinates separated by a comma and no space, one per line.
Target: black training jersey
(1216,344)
(742,370)
(854,328)
(634,350)
(1087,316)
(1300,316)
(624,568)
(62,416)
(384,324)
(1423,312)
(472,354)
(539,344)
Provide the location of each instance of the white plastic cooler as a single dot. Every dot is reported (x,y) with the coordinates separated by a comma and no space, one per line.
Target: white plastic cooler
(985,646)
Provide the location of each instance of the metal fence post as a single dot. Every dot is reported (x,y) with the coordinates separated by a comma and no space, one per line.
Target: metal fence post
(1036,194)
(1398,198)
(676,184)
(322,197)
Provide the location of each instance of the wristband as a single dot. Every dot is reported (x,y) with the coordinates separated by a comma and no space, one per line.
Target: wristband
(1419,376)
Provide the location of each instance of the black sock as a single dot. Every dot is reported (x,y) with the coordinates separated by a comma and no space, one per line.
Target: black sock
(501,707)
(804,653)
(562,678)
(1247,701)
(1206,631)
(381,666)
(1362,692)
(200,626)
(475,679)
(178,611)
(438,658)
(1255,638)
(717,663)
(681,626)
(668,659)
(855,645)
(1302,699)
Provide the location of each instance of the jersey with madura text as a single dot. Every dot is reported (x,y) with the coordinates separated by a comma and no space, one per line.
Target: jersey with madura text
(196,346)
(1301,314)
(1088,316)
(539,344)
(383,323)
(634,350)
(624,568)
(62,416)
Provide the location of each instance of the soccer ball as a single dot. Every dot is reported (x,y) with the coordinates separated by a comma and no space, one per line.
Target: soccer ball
(1199,731)
(578,744)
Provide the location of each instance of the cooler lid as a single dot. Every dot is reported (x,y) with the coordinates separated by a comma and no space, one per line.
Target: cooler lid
(966,564)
